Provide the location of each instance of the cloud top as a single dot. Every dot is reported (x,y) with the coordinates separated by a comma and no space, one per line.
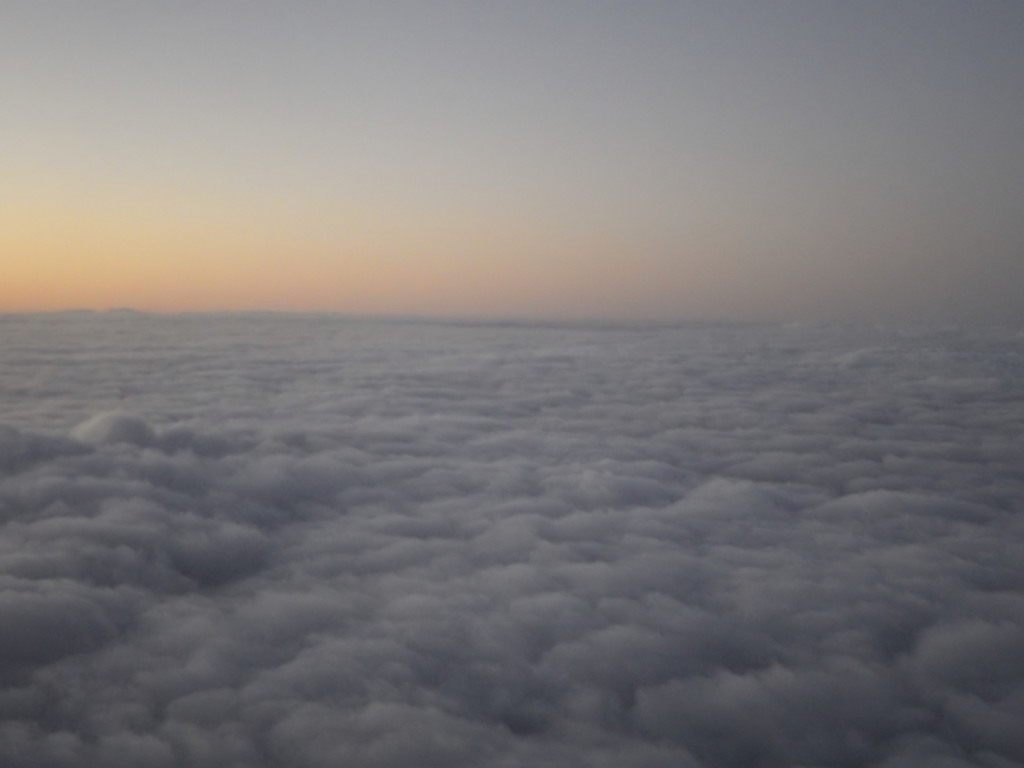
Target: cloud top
(392,544)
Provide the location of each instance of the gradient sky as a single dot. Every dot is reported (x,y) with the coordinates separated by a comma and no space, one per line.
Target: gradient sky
(780,160)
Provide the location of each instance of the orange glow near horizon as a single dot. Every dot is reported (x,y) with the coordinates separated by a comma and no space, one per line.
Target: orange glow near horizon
(170,254)
(59,260)
(180,248)
(98,255)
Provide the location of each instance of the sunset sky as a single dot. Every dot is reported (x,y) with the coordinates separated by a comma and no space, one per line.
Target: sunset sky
(568,158)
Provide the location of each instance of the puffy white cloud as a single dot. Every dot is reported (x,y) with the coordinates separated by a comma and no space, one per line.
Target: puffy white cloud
(308,541)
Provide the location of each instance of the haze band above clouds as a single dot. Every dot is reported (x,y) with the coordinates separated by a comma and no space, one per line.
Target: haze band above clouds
(319,541)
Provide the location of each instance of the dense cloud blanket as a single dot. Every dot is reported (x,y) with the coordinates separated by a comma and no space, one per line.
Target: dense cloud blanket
(319,541)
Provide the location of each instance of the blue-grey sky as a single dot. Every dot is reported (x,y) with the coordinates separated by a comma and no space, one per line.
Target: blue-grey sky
(667,159)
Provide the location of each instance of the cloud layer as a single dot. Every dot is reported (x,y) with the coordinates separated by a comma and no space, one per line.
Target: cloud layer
(316,541)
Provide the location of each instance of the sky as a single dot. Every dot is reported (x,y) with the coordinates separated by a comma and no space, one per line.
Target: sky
(685,160)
